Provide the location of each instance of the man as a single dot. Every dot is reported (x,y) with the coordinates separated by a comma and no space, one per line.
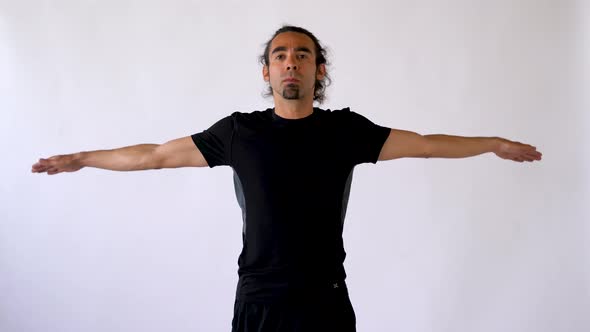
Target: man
(293,168)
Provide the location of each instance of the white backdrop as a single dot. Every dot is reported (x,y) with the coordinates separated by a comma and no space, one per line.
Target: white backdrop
(479,244)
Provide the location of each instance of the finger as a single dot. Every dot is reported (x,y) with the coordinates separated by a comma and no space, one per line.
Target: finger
(45,162)
(527,156)
(535,155)
(42,166)
(38,165)
(39,169)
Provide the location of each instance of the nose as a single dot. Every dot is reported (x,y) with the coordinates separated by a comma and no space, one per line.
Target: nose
(291,62)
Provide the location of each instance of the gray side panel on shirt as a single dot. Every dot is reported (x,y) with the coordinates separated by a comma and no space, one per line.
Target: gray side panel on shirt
(241,199)
(346,195)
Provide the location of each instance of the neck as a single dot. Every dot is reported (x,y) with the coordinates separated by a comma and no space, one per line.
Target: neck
(293,109)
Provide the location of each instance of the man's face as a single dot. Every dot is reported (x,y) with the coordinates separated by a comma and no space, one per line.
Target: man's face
(291,71)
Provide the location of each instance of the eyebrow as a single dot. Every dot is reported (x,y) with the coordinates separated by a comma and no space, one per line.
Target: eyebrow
(297,49)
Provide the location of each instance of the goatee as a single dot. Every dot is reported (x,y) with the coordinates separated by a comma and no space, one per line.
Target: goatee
(291,91)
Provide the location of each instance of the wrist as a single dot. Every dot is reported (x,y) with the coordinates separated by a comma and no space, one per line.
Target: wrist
(80,158)
(496,144)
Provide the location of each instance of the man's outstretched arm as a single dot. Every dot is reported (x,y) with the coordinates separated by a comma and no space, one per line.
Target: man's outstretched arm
(180,152)
(402,143)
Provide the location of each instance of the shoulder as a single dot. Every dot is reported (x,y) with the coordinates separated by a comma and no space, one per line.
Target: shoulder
(252,116)
(239,117)
(339,112)
(248,122)
(344,115)
(345,112)
(334,114)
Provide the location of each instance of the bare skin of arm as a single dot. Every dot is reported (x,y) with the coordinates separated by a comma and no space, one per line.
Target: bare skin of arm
(180,152)
(402,143)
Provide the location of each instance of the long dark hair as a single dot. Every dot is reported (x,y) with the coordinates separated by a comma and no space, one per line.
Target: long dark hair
(319,93)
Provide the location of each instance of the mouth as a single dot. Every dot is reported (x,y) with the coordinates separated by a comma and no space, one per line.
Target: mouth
(290,80)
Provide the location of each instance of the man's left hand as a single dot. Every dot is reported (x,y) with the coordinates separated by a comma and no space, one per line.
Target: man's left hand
(517,151)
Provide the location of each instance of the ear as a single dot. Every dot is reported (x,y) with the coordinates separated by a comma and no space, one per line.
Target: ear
(321,72)
(265,73)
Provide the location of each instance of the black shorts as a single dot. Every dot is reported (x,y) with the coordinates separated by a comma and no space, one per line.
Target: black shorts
(320,311)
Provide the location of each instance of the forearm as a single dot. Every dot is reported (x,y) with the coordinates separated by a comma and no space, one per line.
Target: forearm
(130,158)
(447,146)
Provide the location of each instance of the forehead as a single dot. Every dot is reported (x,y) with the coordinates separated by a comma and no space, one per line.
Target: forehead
(292,40)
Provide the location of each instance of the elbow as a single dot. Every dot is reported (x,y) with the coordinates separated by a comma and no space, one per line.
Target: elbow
(151,160)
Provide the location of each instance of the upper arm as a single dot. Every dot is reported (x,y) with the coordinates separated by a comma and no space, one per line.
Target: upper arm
(181,152)
(403,143)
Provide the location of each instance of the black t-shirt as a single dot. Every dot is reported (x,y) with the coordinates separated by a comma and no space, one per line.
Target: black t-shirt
(292,179)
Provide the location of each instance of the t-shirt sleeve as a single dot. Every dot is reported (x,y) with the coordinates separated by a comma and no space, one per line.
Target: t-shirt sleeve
(366,138)
(215,142)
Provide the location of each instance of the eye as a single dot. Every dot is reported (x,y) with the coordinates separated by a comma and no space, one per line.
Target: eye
(302,56)
(280,56)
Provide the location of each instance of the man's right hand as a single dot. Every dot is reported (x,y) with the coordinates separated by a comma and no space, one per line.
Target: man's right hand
(57,164)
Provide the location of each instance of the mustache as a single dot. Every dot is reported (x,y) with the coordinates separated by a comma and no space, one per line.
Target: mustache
(297,77)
